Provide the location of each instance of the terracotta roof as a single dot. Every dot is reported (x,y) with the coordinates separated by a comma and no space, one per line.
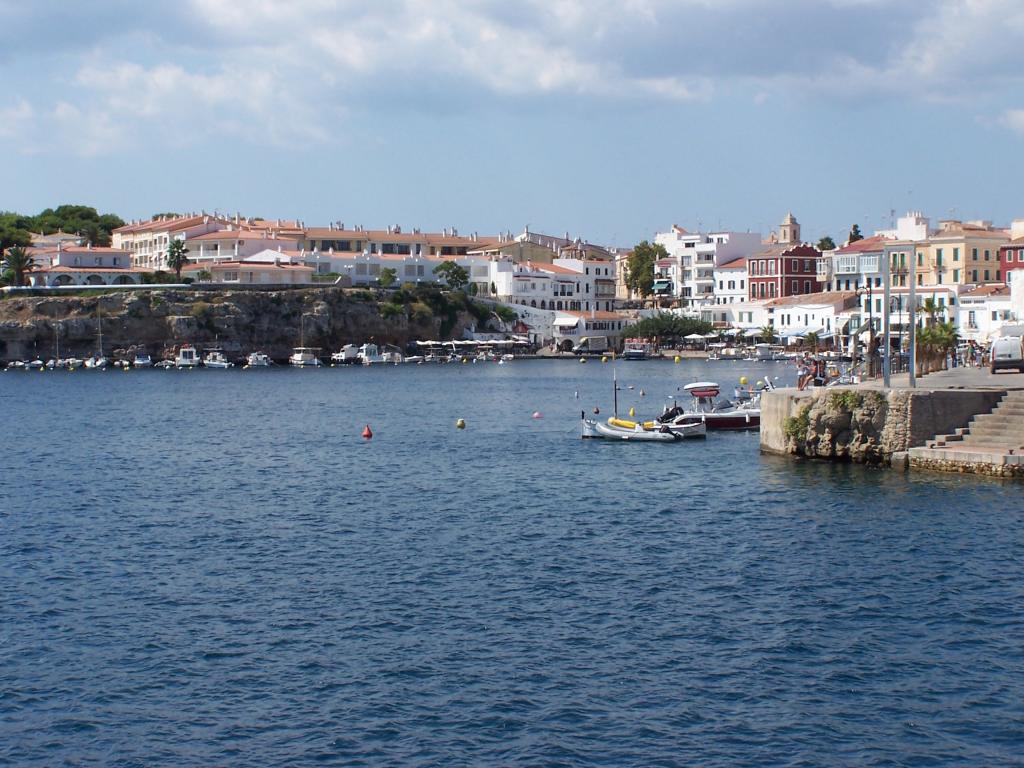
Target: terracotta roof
(988,289)
(734,264)
(553,269)
(867,245)
(88,268)
(77,249)
(822,297)
(220,265)
(596,315)
(169,225)
(241,234)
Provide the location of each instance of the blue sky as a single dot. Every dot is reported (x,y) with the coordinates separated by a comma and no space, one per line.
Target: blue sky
(609,119)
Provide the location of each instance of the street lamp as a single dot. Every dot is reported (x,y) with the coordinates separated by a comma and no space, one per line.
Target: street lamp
(866,291)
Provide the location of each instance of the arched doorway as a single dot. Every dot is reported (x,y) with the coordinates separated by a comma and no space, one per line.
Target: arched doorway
(565,345)
(123,280)
(94,280)
(62,280)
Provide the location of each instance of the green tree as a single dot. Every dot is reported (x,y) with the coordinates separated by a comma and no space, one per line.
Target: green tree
(455,276)
(666,326)
(640,267)
(14,230)
(80,219)
(204,276)
(811,341)
(826,244)
(17,264)
(855,234)
(768,333)
(388,277)
(177,256)
(932,308)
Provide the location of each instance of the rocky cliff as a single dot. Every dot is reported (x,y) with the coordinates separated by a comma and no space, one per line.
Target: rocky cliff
(239,321)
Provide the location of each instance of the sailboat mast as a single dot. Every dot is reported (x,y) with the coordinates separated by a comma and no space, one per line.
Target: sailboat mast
(615,393)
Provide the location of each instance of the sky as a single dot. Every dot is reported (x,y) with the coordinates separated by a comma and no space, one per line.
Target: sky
(607,119)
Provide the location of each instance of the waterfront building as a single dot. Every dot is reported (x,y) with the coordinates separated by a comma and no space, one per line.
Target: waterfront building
(284,270)
(830,315)
(570,327)
(982,311)
(785,269)
(82,265)
(148,240)
(687,274)
(233,244)
(731,282)
(1011,253)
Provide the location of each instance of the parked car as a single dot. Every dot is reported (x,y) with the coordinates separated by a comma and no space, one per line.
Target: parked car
(1008,350)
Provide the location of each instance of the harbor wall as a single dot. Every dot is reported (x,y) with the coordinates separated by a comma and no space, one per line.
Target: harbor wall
(864,425)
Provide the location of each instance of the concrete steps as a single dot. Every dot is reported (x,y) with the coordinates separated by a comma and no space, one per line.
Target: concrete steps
(996,437)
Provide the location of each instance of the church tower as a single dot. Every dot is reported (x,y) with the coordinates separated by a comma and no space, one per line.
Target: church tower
(789,230)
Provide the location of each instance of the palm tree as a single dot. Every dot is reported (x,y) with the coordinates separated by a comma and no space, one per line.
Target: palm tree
(19,263)
(811,341)
(932,308)
(176,257)
(768,333)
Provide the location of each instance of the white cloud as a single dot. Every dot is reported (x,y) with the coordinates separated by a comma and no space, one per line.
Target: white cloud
(1014,120)
(275,73)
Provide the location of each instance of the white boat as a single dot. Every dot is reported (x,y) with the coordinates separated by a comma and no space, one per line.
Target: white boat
(257,360)
(683,430)
(165,364)
(347,355)
(706,409)
(17,365)
(216,359)
(593,429)
(142,360)
(187,357)
(413,359)
(369,354)
(36,364)
(304,357)
(70,363)
(96,362)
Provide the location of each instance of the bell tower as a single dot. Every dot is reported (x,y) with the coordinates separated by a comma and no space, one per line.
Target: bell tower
(789,230)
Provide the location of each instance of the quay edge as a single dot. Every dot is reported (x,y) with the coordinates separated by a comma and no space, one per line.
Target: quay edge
(866,425)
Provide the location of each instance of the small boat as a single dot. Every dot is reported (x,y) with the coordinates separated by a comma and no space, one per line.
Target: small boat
(304,357)
(257,360)
(96,362)
(593,429)
(347,355)
(36,364)
(636,350)
(216,359)
(714,414)
(413,359)
(70,363)
(164,364)
(187,357)
(142,360)
(391,355)
(684,430)
(17,365)
(369,354)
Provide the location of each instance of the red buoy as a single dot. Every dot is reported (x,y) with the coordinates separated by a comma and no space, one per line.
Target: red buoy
(367,432)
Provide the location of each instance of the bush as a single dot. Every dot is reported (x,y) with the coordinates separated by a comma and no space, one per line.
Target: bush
(420,312)
(389,310)
(796,427)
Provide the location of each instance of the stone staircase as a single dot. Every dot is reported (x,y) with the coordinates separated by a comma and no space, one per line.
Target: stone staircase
(992,443)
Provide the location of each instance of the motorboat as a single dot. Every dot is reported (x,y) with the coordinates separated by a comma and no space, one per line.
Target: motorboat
(391,355)
(164,364)
(35,365)
(596,430)
(142,360)
(686,430)
(257,360)
(715,414)
(70,363)
(17,365)
(369,354)
(97,362)
(413,359)
(636,350)
(305,357)
(187,357)
(347,355)
(215,359)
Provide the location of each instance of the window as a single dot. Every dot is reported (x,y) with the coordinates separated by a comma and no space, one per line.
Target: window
(956,275)
(807,286)
(995,315)
(974,254)
(741,285)
(986,274)
(771,290)
(986,255)
(974,275)
(956,254)
(938,257)
(807,265)
(999,275)
(796,286)
(920,259)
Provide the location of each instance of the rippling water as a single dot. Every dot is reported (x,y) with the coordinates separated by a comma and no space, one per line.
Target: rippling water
(211,568)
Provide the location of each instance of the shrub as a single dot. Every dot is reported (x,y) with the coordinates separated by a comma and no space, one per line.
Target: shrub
(389,310)
(846,400)
(421,312)
(796,427)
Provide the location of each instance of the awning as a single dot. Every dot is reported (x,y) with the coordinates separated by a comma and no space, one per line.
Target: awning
(566,322)
(695,337)
(752,333)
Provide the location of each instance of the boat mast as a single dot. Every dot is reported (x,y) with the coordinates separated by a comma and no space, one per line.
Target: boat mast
(615,393)
(99,331)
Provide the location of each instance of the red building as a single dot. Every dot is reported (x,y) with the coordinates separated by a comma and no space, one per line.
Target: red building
(1011,256)
(783,270)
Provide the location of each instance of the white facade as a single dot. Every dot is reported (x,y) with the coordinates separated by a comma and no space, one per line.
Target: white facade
(912,226)
(731,282)
(693,256)
(981,313)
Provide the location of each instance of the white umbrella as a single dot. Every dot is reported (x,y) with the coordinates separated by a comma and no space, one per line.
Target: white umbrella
(696,337)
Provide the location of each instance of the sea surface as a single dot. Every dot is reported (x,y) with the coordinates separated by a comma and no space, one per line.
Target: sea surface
(213,568)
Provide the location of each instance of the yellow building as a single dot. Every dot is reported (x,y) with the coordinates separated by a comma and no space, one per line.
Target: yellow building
(961,253)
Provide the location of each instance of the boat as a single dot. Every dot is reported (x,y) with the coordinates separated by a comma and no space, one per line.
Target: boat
(257,360)
(706,409)
(594,429)
(98,361)
(17,365)
(165,364)
(369,354)
(215,359)
(636,349)
(347,355)
(142,360)
(70,363)
(305,357)
(35,365)
(685,430)
(391,355)
(187,357)
(413,359)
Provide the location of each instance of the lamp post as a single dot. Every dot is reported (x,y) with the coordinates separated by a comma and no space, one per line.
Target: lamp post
(886,330)
(866,291)
(912,318)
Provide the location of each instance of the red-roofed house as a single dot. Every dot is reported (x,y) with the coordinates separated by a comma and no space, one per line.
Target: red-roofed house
(783,270)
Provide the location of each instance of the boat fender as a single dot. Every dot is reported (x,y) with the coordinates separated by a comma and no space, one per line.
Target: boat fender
(632,411)
(367,432)
(460,424)
(596,410)
(538,415)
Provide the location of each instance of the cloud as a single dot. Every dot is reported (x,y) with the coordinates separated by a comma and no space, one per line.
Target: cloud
(1014,120)
(272,73)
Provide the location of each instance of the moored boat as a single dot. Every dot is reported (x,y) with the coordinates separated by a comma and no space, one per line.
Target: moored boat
(142,360)
(216,359)
(187,357)
(347,355)
(706,409)
(593,429)
(304,357)
(257,360)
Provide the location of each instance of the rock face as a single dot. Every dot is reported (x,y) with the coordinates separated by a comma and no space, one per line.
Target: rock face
(239,322)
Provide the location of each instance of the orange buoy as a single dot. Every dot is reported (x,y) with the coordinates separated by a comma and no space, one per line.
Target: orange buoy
(367,432)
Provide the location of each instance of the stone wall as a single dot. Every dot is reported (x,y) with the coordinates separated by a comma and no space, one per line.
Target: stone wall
(862,425)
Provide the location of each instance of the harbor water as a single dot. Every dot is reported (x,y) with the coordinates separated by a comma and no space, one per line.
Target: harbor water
(214,568)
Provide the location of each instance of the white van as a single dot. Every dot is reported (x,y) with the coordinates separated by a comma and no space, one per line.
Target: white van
(1008,349)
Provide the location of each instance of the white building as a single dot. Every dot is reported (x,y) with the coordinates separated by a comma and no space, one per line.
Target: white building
(82,265)
(148,240)
(983,311)
(688,274)
(731,282)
